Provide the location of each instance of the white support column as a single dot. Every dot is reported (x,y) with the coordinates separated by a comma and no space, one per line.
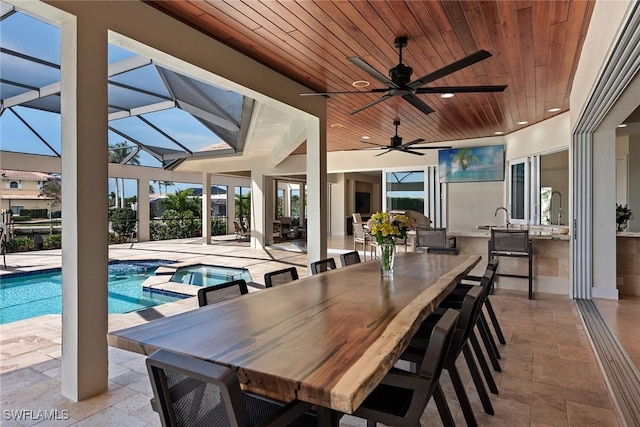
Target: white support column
(303,203)
(338,207)
(143,210)
(231,207)
(259,192)
(206,208)
(317,188)
(84,223)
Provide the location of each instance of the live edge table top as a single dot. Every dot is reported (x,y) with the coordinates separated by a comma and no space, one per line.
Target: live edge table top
(326,339)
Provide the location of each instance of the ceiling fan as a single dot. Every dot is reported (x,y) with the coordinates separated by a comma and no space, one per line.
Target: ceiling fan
(400,83)
(396,144)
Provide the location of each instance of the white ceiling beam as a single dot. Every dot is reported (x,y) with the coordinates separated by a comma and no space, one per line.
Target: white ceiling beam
(164,105)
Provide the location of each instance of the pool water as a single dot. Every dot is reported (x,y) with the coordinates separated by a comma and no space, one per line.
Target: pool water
(209,275)
(23,296)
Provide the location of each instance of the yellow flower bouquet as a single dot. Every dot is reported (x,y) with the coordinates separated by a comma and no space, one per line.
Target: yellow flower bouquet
(385,228)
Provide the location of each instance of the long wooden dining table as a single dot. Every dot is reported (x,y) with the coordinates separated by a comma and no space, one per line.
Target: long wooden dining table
(326,339)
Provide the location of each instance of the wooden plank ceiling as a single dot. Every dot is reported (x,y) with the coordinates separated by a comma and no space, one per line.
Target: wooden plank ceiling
(535,44)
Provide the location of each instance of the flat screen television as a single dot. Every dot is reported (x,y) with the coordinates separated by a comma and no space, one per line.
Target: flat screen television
(471,164)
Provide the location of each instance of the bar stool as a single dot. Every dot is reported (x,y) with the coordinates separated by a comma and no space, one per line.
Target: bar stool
(513,243)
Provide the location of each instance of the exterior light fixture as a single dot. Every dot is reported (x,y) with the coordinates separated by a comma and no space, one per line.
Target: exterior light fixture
(337,125)
(365,137)
(498,132)
(447,95)
(554,110)
(623,125)
(523,122)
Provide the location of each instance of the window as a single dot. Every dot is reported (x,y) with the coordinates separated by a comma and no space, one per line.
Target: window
(243,203)
(280,203)
(15,210)
(524,190)
(405,191)
(16,185)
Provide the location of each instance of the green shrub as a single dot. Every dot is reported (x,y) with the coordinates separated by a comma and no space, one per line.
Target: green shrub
(35,213)
(19,218)
(53,242)
(115,239)
(19,244)
(218,227)
(123,221)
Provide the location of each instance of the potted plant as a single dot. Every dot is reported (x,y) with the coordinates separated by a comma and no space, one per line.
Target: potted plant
(623,215)
(385,228)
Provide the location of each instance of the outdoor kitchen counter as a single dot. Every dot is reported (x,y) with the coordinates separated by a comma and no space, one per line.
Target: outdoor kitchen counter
(550,259)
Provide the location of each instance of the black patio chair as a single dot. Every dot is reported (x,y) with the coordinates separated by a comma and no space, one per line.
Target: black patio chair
(216,293)
(280,277)
(322,265)
(349,258)
(191,392)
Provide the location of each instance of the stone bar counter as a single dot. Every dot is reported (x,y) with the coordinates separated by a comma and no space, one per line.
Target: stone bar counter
(628,263)
(550,258)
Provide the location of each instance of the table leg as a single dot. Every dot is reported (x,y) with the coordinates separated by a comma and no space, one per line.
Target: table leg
(327,417)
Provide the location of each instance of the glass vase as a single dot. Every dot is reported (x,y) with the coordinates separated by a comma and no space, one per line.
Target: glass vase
(386,255)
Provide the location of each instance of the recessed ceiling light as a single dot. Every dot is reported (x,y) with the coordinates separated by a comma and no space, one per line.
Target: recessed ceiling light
(360,83)
(554,110)
(498,133)
(523,122)
(365,137)
(447,95)
(622,126)
(337,125)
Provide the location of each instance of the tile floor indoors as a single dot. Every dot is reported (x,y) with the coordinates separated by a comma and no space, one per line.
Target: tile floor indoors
(550,376)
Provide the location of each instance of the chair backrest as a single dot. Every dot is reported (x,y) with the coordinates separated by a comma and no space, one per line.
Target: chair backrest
(349,258)
(322,265)
(357,218)
(439,345)
(431,238)
(237,225)
(358,232)
(285,221)
(194,392)
(510,240)
(280,277)
(469,312)
(221,292)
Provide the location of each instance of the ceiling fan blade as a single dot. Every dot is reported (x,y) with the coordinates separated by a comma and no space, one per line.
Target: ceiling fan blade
(431,148)
(383,98)
(361,63)
(460,89)
(416,102)
(415,141)
(451,68)
(406,150)
(382,153)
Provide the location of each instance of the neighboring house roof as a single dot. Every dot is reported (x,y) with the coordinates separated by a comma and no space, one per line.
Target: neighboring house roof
(24,175)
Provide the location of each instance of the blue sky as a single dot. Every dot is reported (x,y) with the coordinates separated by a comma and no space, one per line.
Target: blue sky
(30,36)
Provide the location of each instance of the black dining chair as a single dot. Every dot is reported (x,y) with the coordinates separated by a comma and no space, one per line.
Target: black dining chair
(434,240)
(322,265)
(216,293)
(190,392)
(415,352)
(349,258)
(401,397)
(280,277)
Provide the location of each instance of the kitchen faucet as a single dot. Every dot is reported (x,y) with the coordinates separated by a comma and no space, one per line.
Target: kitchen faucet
(506,214)
(551,206)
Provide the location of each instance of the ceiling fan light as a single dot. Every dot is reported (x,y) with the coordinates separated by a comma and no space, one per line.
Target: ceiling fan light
(360,83)
(554,110)
(447,95)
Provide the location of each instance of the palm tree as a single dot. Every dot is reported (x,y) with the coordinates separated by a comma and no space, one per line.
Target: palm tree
(465,158)
(118,153)
(182,202)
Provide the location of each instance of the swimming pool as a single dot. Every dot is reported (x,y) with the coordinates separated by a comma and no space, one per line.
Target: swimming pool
(209,275)
(23,296)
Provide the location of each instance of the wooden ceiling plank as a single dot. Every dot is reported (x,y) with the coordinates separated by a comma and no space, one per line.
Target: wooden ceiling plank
(570,52)
(541,16)
(527,55)
(559,11)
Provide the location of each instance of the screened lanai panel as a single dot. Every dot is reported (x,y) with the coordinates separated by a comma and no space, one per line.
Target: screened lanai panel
(127,99)
(49,103)
(26,72)
(17,138)
(145,78)
(30,36)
